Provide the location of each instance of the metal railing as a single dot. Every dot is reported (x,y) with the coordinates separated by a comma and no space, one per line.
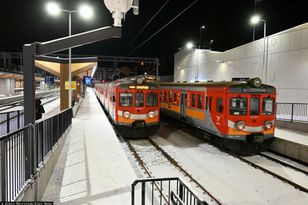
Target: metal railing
(11,121)
(292,112)
(23,152)
(163,191)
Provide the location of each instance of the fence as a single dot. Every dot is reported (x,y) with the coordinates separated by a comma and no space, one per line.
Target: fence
(24,150)
(292,112)
(164,191)
(11,121)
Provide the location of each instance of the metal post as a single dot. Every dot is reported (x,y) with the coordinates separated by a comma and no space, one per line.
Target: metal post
(292,112)
(133,194)
(8,122)
(157,67)
(70,61)
(143,193)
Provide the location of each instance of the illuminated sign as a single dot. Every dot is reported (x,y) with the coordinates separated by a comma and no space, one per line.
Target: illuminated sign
(132,87)
(73,83)
(87,80)
(142,87)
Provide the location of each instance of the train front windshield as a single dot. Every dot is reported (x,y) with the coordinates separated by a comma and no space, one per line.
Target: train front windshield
(239,106)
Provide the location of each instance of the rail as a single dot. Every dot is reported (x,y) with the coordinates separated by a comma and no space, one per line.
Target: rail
(292,112)
(175,191)
(22,153)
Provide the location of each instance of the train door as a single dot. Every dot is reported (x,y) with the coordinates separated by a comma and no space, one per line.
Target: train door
(183,104)
(218,110)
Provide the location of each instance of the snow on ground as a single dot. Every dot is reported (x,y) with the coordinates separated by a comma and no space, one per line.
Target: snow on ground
(286,172)
(228,178)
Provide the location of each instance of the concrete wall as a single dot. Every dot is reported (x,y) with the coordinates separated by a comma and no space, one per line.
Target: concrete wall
(286,66)
(7,87)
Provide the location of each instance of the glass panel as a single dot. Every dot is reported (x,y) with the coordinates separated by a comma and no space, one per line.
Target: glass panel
(200,101)
(175,98)
(193,100)
(170,97)
(238,106)
(268,106)
(254,106)
(219,106)
(151,100)
(126,99)
(139,100)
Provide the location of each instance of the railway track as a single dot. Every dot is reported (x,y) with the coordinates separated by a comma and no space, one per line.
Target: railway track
(173,162)
(206,137)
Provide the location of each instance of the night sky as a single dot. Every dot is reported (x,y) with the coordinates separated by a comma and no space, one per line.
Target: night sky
(226,22)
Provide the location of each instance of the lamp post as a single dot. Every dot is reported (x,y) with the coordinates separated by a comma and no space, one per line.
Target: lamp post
(200,36)
(86,12)
(255,20)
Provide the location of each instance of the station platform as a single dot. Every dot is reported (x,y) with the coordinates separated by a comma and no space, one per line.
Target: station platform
(92,167)
(291,143)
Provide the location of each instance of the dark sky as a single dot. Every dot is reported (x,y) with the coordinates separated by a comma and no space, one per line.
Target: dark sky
(226,22)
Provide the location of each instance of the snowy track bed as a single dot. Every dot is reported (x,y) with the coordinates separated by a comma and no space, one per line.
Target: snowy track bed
(227,177)
(157,163)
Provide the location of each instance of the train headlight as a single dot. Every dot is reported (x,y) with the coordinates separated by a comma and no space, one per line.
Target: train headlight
(268,125)
(151,114)
(256,82)
(240,125)
(139,80)
(126,114)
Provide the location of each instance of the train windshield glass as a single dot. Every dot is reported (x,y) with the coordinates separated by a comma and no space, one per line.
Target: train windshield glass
(268,106)
(151,100)
(254,106)
(126,99)
(139,100)
(238,106)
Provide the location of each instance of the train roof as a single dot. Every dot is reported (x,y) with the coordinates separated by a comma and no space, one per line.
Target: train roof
(234,85)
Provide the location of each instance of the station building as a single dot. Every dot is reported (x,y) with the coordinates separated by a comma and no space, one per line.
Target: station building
(280,60)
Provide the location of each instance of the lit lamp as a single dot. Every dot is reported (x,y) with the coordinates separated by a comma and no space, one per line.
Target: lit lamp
(255,20)
(85,12)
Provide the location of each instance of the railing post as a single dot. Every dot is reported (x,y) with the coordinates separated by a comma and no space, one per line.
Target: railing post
(133,194)
(8,122)
(2,172)
(143,193)
(292,112)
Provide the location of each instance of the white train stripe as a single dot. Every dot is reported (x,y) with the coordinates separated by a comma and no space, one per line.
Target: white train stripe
(248,128)
(137,116)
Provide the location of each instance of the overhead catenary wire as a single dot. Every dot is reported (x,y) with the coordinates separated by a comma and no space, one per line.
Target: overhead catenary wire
(146,25)
(159,30)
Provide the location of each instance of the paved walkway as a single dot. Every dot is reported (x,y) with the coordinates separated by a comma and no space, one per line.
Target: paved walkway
(92,167)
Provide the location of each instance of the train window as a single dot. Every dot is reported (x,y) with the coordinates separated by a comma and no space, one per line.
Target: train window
(151,100)
(193,100)
(175,98)
(165,97)
(200,101)
(170,96)
(268,106)
(207,103)
(139,98)
(210,103)
(126,99)
(238,106)
(219,105)
(254,106)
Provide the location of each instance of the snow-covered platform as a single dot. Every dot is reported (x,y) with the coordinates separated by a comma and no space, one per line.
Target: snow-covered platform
(92,167)
(291,143)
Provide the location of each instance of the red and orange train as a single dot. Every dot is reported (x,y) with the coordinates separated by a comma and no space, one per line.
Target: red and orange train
(241,114)
(133,104)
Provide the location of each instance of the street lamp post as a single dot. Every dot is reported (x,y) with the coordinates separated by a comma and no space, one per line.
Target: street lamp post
(255,20)
(200,36)
(86,12)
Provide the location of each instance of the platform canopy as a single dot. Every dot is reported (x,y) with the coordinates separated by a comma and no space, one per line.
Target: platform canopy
(79,65)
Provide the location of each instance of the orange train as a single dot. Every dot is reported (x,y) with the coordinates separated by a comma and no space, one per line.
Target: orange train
(133,104)
(240,114)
